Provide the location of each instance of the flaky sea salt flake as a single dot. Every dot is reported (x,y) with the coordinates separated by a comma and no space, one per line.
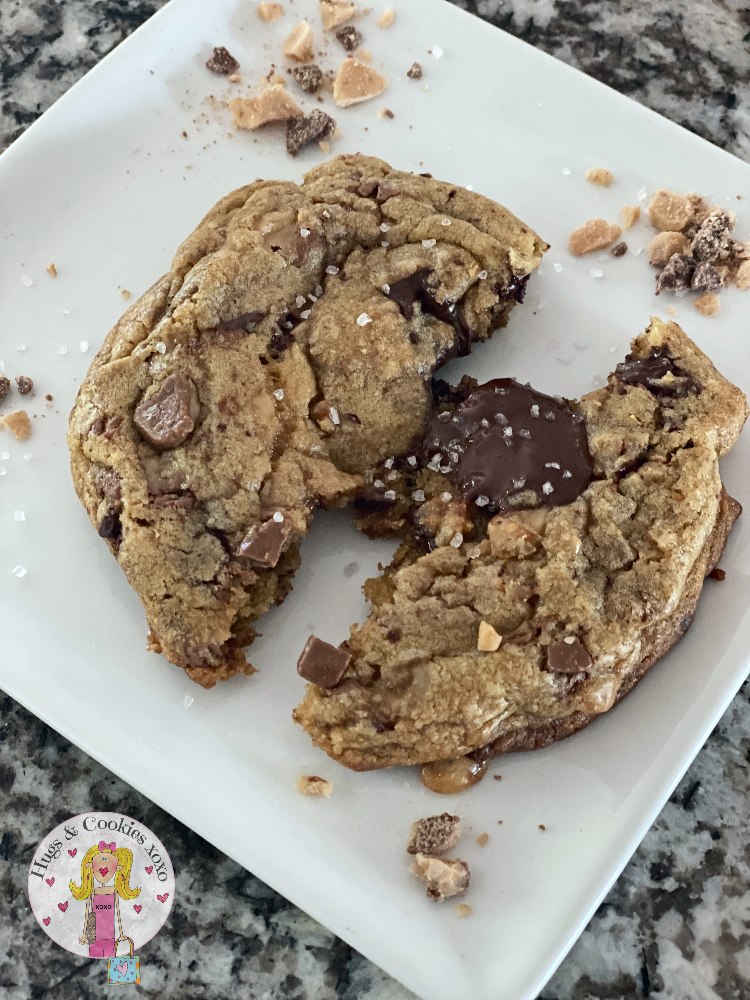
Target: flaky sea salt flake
(20,571)
(363,319)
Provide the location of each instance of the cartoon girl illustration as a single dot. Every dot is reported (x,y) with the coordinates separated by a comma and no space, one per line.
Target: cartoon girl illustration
(105,875)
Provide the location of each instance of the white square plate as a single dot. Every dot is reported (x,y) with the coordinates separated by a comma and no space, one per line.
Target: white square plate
(105,185)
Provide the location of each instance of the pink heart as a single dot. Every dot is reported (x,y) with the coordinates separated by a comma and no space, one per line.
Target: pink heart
(47,921)
(73,852)
(162,899)
(122,968)
(63,906)
(149,868)
(50,881)
(137,907)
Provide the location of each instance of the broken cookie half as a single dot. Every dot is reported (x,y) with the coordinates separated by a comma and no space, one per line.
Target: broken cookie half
(288,350)
(579,532)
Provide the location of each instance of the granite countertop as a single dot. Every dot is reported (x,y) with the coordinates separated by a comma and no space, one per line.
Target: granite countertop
(676,925)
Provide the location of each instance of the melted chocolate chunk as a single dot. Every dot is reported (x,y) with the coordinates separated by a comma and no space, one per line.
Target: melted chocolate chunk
(415,288)
(515,289)
(111,527)
(244,320)
(263,544)
(321,663)
(569,656)
(651,371)
(505,440)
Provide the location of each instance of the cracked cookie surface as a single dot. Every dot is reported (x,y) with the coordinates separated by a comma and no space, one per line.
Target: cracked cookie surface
(266,371)
(583,596)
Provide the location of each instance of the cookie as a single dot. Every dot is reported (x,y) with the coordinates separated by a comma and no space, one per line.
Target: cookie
(289,348)
(534,588)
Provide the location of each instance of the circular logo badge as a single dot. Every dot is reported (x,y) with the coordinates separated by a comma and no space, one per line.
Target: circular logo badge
(99,880)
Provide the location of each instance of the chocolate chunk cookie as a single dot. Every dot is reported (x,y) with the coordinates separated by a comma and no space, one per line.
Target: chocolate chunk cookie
(289,349)
(579,532)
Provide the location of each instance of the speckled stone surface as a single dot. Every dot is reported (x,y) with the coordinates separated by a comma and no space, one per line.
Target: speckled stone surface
(676,926)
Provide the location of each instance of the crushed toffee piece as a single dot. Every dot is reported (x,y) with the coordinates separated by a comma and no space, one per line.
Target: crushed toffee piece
(222,62)
(434,834)
(18,424)
(415,71)
(300,132)
(677,274)
(443,877)
(4,386)
(349,37)
(309,76)
(314,786)
(25,384)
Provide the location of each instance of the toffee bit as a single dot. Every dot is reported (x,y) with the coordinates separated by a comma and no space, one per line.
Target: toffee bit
(349,37)
(415,72)
(313,785)
(222,62)
(619,249)
(51,270)
(4,386)
(300,132)
(25,384)
(309,77)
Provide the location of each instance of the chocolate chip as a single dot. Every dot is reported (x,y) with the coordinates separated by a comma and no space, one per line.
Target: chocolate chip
(506,440)
(619,249)
(4,386)
(676,274)
(714,237)
(25,384)
(300,132)
(569,656)
(222,62)
(717,574)
(416,288)
(309,77)
(263,544)
(111,527)
(651,372)
(167,416)
(414,72)
(705,278)
(321,663)
(280,341)
(350,37)
(514,289)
